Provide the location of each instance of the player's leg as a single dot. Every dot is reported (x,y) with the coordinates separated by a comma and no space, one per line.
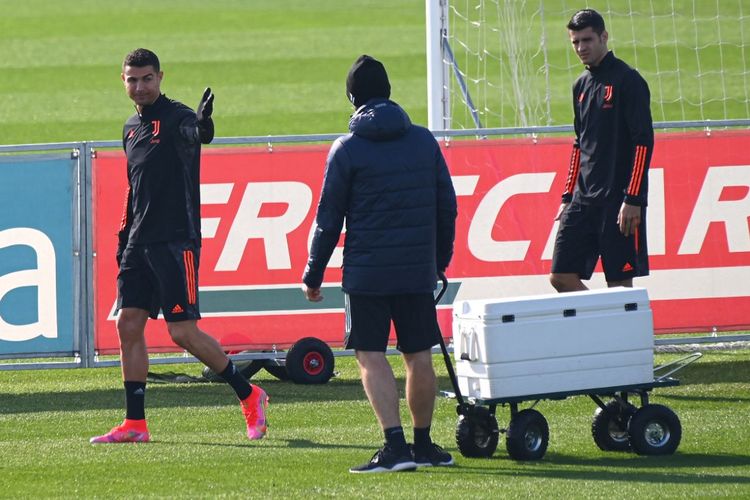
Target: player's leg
(576,248)
(190,337)
(615,283)
(136,302)
(253,399)
(421,387)
(367,328)
(135,295)
(567,282)
(415,320)
(380,386)
(131,324)
(175,267)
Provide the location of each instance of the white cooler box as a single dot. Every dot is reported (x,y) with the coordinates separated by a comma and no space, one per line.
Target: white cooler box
(553,343)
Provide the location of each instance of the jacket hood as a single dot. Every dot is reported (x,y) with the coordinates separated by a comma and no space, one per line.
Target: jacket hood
(379,120)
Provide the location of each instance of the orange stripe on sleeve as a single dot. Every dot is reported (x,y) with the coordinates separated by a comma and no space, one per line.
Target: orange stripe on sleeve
(634,169)
(575,164)
(639,167)
(124,218)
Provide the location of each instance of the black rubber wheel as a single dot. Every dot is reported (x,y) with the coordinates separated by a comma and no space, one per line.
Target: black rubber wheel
(278,371)
(610,428)
(310,361)
(655,430)
(477,433)
(528,435)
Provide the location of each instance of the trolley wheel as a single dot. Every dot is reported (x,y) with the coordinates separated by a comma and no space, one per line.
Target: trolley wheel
(278,371)
(654,430)
(477,433)
(527,436)
(610,428)
(310,361)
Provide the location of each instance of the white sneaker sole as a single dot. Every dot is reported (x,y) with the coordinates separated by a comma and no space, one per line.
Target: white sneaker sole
(430,464)
(403,466)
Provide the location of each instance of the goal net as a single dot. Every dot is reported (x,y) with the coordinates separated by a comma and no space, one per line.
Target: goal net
(509,63)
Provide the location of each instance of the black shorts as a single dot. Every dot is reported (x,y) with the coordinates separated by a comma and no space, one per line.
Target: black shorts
(368,322)
(588,232)
(160,276)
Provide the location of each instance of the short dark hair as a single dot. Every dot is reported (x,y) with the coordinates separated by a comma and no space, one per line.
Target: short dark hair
(587,18)
(141,58)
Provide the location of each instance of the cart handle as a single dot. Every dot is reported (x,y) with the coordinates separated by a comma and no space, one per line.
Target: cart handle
(462,408)
(443,286)
(675,366)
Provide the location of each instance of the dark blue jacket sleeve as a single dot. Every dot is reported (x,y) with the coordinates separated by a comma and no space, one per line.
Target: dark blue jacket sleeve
(446,213)
(334,199)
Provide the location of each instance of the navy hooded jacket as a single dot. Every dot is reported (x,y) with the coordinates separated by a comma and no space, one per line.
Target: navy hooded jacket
(389,181)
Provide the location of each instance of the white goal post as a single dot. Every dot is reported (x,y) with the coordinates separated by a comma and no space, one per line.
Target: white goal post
(508,63)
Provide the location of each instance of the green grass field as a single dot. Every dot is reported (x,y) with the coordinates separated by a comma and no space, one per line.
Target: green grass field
(278,67)
(317,432)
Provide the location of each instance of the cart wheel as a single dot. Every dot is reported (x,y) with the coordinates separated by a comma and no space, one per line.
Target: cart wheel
(610,428)
(278,371)
(310,361)
(477,433)
(655,430)
(528,436)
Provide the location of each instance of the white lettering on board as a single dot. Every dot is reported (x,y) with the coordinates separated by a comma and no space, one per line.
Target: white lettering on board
(273,231)
(213,194)
(43,278)
(709,208)
(480,241)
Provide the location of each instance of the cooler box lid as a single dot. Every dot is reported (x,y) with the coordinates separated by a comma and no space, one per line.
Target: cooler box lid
(535,306)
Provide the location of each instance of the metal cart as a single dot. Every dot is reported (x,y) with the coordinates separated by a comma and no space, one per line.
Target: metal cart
(618,424)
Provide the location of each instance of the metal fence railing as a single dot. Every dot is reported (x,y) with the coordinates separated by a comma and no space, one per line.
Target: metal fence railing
(80,157)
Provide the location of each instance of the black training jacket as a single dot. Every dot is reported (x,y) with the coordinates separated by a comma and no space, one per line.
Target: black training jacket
(162,145)
(614,136)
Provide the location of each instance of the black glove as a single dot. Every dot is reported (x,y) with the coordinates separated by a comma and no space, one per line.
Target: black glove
(206,106)
(203,114)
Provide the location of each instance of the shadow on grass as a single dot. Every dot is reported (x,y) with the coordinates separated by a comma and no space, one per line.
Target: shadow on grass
(724,372)
(171,395)
(269,443)
(713,399)
(176,395)
(677,460)
(657,470)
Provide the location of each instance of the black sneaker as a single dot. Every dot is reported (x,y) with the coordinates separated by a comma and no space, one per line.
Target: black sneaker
(433,455)
(386,460)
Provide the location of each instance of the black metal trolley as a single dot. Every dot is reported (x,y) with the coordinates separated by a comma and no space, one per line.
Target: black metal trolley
(618,424)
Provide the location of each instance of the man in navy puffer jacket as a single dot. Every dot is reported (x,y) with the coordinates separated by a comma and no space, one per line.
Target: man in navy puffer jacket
(388,180)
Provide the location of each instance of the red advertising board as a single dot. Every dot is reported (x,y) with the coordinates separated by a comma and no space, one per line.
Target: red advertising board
(258,210)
